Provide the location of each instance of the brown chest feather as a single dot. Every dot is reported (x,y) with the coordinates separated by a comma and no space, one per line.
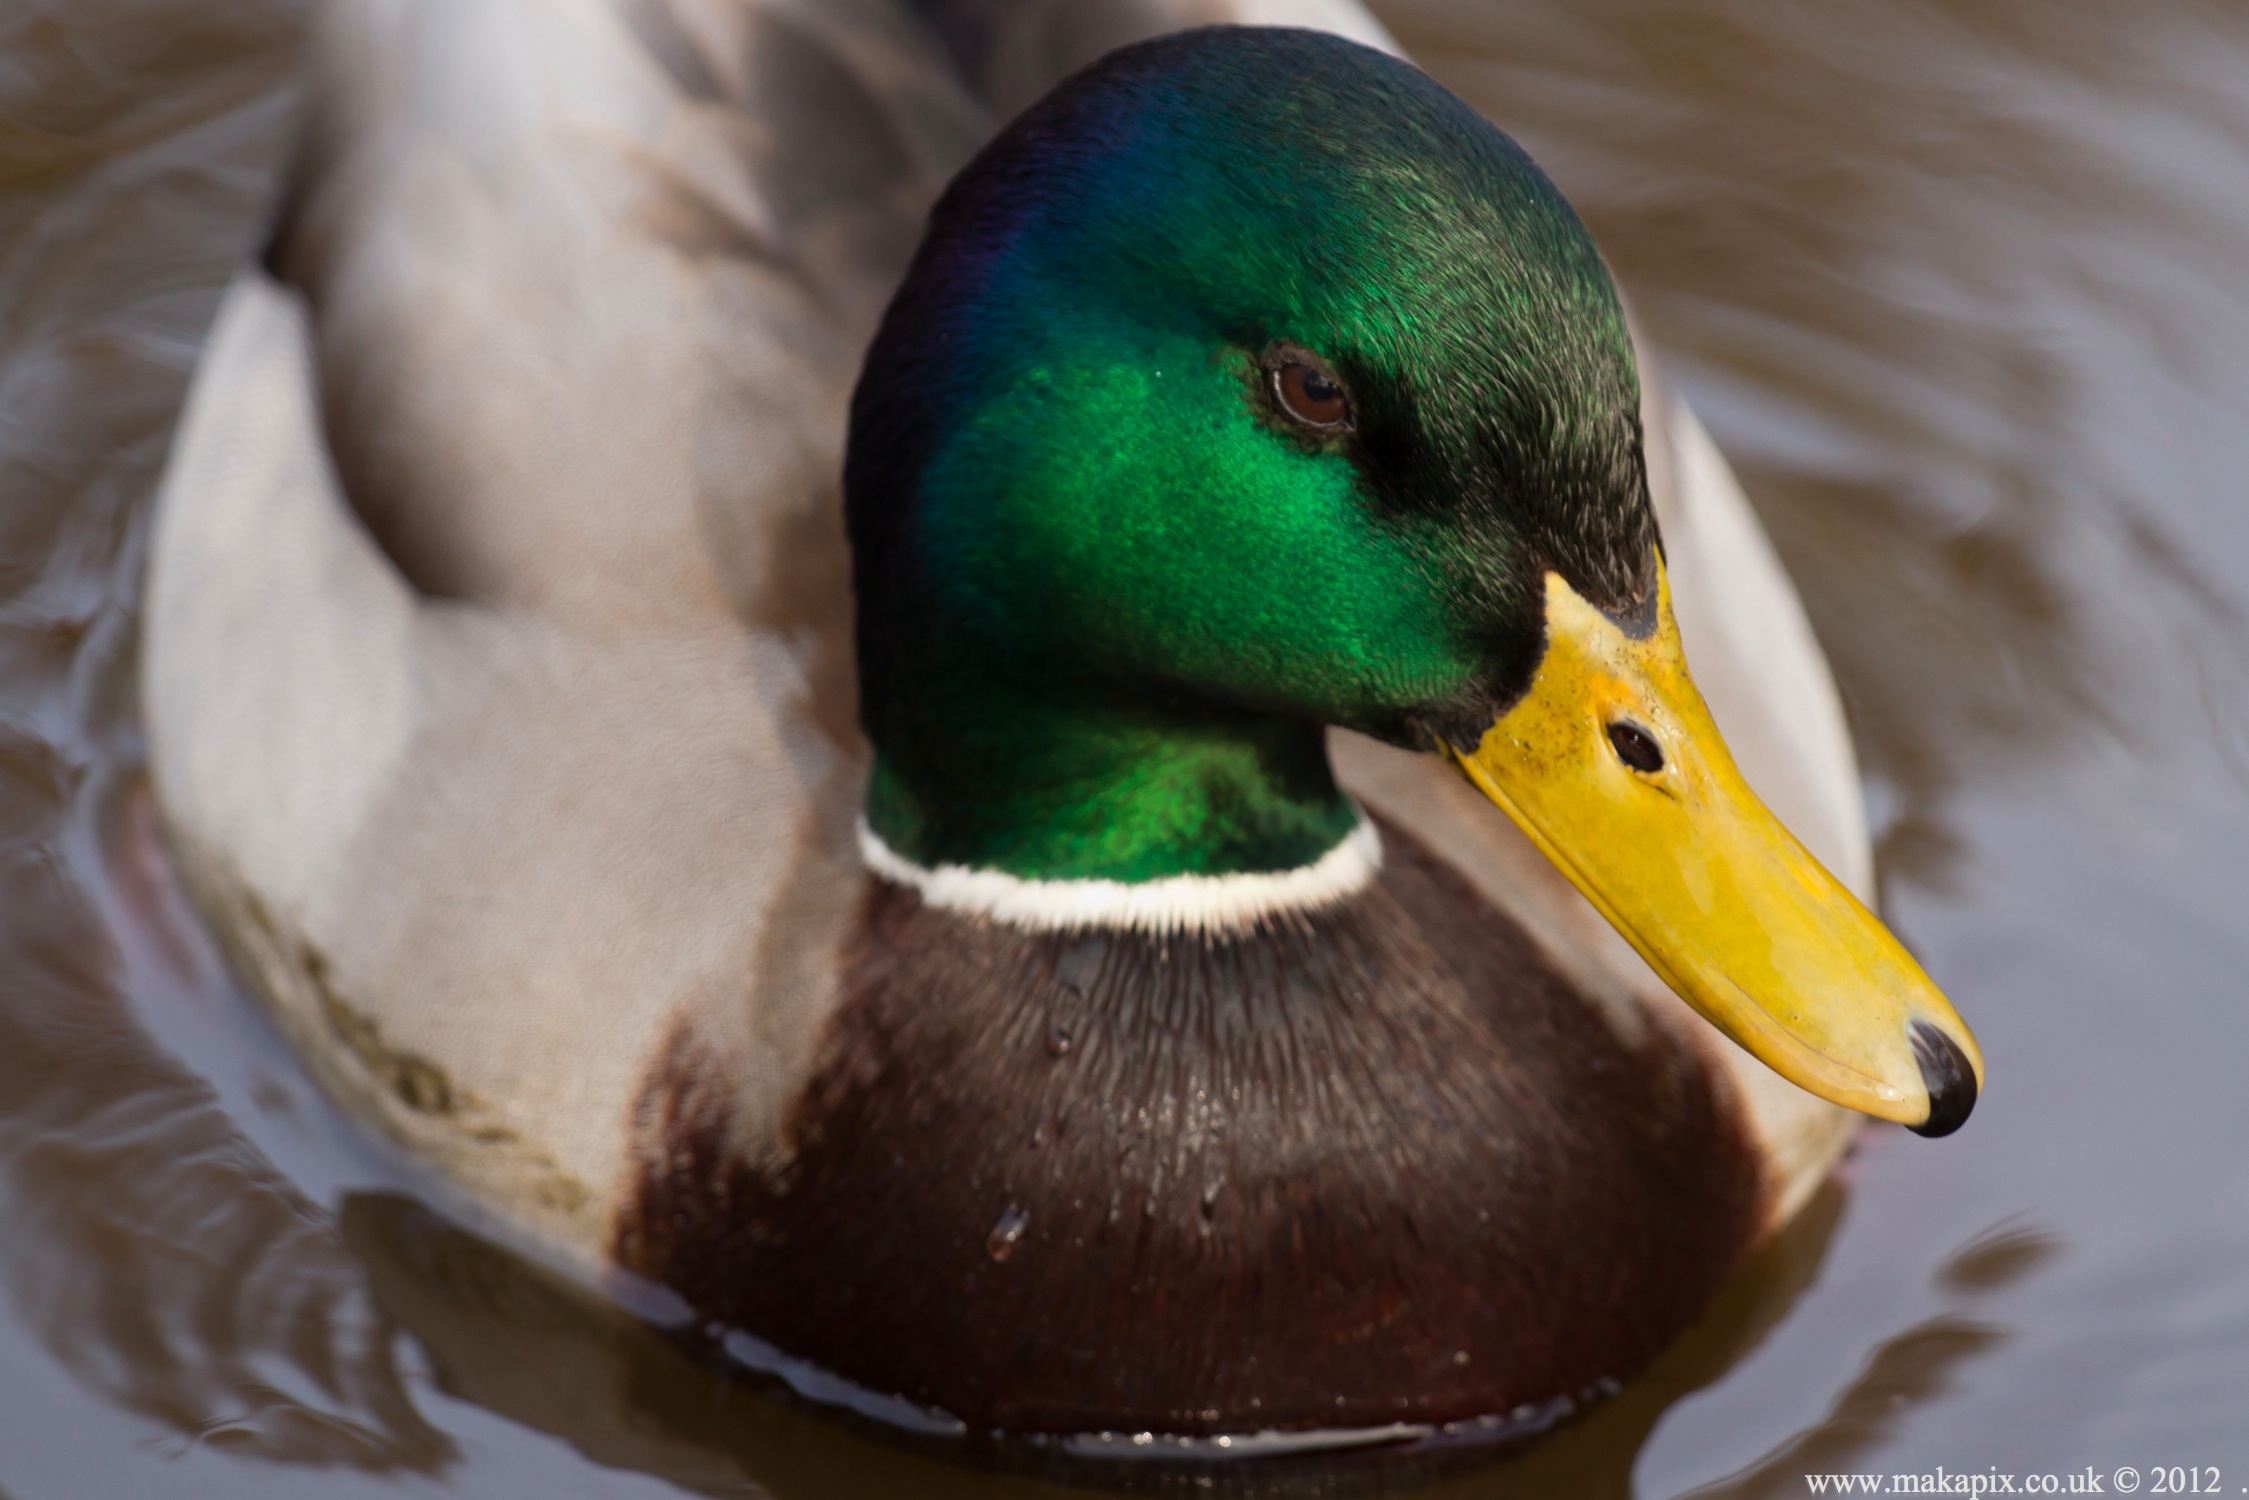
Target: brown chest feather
(1373,1165)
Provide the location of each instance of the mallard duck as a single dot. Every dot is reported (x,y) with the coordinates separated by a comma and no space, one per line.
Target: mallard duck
(1145,970)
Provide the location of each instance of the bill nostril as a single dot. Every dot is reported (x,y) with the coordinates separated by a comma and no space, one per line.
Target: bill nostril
(1636,747)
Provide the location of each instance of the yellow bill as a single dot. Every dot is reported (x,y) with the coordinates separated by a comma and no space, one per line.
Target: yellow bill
(1611,764)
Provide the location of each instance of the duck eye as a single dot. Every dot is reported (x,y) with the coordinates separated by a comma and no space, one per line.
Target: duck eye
(1310,396)
(1636,747)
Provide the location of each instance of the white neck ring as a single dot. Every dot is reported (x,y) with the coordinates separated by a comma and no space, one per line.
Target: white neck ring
(1200,904)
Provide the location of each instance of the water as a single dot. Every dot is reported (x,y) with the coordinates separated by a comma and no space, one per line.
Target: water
(1958,286)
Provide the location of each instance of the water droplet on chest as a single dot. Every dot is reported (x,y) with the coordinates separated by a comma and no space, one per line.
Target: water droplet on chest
(1007,1233)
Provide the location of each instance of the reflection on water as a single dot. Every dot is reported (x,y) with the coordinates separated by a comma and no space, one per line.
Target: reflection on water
(1957,284)
(1906,1371)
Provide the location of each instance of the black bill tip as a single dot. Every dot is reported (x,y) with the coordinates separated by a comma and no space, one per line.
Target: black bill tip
(1950,1081)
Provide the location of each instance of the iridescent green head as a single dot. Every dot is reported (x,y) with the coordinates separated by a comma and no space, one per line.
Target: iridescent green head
(1247,384)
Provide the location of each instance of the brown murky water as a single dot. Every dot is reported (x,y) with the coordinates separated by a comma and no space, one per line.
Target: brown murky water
(1964,290)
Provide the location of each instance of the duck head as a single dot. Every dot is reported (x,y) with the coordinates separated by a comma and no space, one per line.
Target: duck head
(1251,383)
